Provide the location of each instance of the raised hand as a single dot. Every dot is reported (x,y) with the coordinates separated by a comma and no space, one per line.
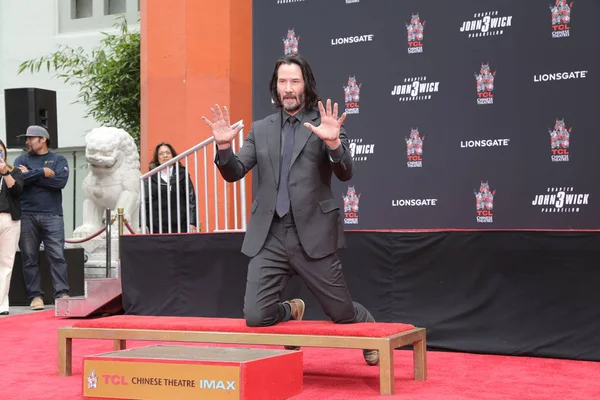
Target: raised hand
(329,130)
(221,127)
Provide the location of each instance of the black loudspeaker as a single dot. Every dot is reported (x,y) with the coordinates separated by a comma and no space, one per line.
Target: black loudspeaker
(17,295)
(29,106)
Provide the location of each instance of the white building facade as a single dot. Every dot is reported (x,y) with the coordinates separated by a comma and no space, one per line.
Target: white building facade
(33,28)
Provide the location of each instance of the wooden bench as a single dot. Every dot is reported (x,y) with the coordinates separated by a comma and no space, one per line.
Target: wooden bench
(384,337)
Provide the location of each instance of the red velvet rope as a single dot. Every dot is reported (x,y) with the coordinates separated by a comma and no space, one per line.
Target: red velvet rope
(85,239)
(73,241)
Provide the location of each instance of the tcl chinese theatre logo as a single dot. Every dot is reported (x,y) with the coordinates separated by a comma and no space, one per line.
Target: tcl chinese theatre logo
(484,202)
(560,140)
(352,95)
(561,19)
(415,34)
(351,206)
(485,85)
(290,43)
(414,149)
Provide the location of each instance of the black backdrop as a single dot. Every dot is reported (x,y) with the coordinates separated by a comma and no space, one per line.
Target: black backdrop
(506,144)
(493,292)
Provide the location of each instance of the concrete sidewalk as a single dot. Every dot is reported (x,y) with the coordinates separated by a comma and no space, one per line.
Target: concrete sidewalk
(16,310)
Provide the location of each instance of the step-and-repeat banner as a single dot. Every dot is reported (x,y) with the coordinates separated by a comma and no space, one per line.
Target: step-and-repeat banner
(461,114)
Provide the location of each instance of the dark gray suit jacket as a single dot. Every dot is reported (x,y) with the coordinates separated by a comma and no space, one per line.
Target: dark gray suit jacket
(316,211)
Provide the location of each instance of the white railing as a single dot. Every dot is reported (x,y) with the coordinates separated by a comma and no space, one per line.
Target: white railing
(239,207)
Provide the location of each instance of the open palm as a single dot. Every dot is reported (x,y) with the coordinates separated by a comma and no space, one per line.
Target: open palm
(221,125)
(329,130)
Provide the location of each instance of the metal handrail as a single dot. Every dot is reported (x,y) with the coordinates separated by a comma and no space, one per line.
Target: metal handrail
(200,147)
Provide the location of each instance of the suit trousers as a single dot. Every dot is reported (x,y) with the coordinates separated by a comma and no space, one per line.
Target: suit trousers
(281,257)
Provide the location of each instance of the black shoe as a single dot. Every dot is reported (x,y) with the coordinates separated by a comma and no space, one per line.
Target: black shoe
(4,313)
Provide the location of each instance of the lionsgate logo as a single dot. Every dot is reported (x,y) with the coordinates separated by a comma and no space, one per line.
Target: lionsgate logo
(417,88)
(560,140)
(414,202)
(352,95)
(414,149)
(415,34)
(360,151)
(484,203)
(485,85)
(560,200)
(289,1)
(467,144)
(486,24)
(352,39)
(560,76)
(351,200)
(561,19)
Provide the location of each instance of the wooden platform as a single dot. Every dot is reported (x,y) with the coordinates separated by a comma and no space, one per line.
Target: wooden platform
(384,337)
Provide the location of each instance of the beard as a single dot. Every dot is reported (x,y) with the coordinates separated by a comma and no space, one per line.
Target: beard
(29,150)
(296,105)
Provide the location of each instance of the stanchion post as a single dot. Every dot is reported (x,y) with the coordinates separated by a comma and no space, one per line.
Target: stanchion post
(108,242)
(121,220)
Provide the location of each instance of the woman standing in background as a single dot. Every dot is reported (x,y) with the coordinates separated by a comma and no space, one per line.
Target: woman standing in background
(166,182)
(11,185)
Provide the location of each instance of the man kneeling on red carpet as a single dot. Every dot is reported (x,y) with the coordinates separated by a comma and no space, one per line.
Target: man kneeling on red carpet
(295,226)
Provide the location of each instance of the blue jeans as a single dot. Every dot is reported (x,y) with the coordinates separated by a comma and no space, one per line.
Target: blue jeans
(50,230)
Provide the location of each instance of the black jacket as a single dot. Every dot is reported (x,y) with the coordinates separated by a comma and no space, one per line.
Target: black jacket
(183,177)
(14,194)
(316,210)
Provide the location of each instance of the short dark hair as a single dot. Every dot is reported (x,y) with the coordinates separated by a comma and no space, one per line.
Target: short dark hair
(311,96)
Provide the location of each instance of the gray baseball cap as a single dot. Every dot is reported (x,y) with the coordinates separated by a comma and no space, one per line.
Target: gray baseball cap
(36,131)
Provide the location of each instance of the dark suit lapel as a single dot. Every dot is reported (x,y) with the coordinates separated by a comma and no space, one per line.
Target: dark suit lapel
(274,144)
(303,133)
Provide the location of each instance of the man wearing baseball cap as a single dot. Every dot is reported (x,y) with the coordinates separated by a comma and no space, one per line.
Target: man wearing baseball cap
(45,174)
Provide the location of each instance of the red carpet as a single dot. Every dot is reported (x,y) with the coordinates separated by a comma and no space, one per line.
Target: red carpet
(28,371)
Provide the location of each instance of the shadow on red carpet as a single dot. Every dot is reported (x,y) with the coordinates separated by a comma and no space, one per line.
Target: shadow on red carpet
(29,357)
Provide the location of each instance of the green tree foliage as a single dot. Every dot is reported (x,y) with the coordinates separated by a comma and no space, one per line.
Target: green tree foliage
(108,78)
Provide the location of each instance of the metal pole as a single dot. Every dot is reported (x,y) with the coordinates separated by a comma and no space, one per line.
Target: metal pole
(243,186)
(143,206)
(108,242)
(121,219)
(74,190)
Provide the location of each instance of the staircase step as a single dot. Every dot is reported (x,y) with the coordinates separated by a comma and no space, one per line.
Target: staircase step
(101,284)
(102,295)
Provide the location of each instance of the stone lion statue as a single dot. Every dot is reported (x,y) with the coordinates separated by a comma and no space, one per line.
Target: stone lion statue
(113,181)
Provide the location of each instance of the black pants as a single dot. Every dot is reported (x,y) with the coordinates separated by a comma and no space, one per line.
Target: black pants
(281,257)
